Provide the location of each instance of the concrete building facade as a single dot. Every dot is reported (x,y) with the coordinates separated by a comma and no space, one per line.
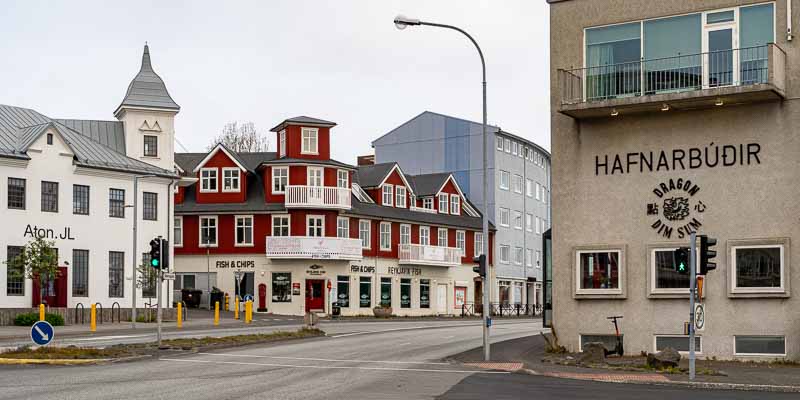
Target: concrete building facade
(519,189)
(670,117)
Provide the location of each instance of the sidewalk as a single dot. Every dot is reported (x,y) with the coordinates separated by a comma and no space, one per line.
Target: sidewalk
(530,351)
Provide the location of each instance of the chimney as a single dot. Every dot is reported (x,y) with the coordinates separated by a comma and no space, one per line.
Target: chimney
(366,160)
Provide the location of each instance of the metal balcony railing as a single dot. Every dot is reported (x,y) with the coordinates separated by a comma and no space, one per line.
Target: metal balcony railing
(429,255)
(682,73)
(317,197)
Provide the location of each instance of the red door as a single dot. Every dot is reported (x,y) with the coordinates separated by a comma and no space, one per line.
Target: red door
(55,294)
(315,295)
(262,296)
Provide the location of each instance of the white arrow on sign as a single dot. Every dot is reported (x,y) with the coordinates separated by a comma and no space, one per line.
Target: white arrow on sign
(45,337)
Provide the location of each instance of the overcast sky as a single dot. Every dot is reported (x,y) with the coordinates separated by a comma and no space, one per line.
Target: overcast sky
(265,61)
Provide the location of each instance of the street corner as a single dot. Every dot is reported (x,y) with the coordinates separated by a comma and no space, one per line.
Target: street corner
(496,365)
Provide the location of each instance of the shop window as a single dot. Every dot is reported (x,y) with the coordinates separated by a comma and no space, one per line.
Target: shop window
(405,293)
(504,292)
(80,273)
(460,294)
(758,268)
(424,293)
(386,292)
(760,345)
(343,290)
(365,292)
(665,274)
(281,287)
(599,271)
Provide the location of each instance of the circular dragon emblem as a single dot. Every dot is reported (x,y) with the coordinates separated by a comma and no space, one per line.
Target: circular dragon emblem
(677,208)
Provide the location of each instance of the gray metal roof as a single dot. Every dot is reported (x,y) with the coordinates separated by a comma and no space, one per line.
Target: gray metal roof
(20,127)
(147,89)
(427,184)
(303,120)
(369,176)
(255,202)
(108,133)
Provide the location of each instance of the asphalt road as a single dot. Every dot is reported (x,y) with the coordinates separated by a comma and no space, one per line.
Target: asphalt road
(369,360)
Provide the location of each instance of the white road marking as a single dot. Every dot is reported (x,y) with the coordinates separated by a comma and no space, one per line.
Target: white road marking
(322,359)
(446,371)
(110,337)
(403,329)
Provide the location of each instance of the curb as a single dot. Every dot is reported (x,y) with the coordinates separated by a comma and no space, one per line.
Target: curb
(45,361)
(667,382)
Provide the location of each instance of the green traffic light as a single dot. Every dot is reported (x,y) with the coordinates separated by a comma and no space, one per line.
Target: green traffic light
(681,267)
(154,262)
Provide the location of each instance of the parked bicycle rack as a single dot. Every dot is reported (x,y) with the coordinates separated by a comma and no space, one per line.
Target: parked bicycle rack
(83,311)
(119,313)
(98,305)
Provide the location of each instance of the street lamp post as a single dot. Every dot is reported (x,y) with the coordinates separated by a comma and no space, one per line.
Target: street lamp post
(401,22)
(135,237)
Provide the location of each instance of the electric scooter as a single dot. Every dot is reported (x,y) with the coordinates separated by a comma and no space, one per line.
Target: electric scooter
(618,349)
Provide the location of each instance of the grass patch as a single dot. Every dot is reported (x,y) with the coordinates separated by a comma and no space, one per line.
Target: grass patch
(66,353)
(239,340)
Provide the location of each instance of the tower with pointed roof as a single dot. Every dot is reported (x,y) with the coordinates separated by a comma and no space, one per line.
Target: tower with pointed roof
(148,114)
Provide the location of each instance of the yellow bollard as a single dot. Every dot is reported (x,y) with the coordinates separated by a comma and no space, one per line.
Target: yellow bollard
(180,315)
(216,313)
(249,312)
(41,312)
(227,302)
(236,308)
(93,319)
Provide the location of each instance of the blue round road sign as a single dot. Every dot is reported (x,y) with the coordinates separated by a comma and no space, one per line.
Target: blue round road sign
(42,333)
(248,297)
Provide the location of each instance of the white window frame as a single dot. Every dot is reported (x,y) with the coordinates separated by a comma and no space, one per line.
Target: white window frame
(517,219)
(365,234)
(275,178)
(282,142)
(507,145)
(412,200)
(236,230)
(505,216)
(518,254)
(321,227)
(455,204)
(177,240)
(342,179)
(514,147)
(444,202)
(200,230)
(234,178)
(288,224)
(504,258)
(538,225)
(538,259)
(312,134)
(385,232)
(477,244)
(735,353)
(620,282)
(518,182)
(400,196)
(405,233)
(425,233)
(499,143)
(697,338)
(205,181)
(762,290)
(461,242)
(439,232)
(315,170)
(529,222)
(528,257)
(653,277)
(387,196)
(538,190)
(427,203)
(544,194)
(529,188)
(505,180)
(343,227)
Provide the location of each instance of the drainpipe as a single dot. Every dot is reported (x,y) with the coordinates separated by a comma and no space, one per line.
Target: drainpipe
(789,35)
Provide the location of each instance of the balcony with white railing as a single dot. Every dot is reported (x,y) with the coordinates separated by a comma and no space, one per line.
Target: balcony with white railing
(429,255)
(331,197)
(717,78)
(308,247)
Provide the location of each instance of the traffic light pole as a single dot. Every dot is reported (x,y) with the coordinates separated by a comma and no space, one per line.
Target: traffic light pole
(159,282)
(692,291)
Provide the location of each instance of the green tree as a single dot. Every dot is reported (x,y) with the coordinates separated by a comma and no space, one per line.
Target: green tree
(38,260)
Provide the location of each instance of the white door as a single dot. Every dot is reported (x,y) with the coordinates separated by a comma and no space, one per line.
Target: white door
(314,182)
(441,299)
(721,56)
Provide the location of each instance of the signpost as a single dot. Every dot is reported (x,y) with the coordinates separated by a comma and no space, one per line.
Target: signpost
(692,288)
(42,333)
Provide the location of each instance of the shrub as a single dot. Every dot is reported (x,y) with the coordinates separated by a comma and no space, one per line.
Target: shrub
(28,319)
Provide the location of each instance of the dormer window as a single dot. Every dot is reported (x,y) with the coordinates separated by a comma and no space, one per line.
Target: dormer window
(150,146)
(310,141)
(444,199)
(427,203)
(230,179)
(455,204)
(400,197)
(282,144)
(387,191)
(50,139)
(208,180)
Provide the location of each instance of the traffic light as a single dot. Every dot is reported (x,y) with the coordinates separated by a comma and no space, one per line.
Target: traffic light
(480,269)
(165,255)
(682,260)
(706,254)
(155,253)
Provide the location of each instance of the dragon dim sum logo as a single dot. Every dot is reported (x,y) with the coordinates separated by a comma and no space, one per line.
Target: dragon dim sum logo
(676,208)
